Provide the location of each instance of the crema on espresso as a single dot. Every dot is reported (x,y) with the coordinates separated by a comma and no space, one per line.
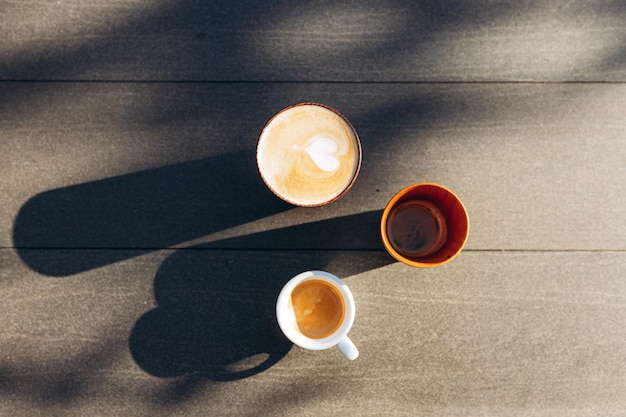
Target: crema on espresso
(309,154)
(318,307)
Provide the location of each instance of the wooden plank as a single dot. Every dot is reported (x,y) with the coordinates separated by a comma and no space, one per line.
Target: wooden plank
(373,40)
(539,167)
(491,333)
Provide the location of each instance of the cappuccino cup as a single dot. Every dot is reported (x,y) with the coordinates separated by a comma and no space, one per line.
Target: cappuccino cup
(424,225)
(309,154)
(315,310)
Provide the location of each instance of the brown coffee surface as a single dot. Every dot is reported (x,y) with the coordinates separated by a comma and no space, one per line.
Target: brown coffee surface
(318,307)
(308,154)
(416,229)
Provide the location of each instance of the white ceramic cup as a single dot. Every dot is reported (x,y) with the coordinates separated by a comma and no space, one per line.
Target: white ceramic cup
(289,326)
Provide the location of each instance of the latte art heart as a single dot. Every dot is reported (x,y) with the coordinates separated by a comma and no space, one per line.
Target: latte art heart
(322,151)
(308,154)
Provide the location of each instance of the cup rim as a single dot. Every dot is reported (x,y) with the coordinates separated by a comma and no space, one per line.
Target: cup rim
(398,198)
(356,171)
(286,318)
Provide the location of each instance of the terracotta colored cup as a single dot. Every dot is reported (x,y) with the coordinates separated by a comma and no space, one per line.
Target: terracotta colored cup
(424,225)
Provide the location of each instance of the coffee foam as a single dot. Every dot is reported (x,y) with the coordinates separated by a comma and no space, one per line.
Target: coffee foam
(308,154)
(318,307)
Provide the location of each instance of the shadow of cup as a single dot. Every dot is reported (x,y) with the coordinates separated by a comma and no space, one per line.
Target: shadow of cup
(216,302)
(141,211)
(214,316)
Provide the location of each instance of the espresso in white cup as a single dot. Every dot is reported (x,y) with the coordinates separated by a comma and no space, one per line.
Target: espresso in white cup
(315,310)
(309,154)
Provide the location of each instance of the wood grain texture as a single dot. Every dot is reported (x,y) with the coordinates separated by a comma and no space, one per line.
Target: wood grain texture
(506,333)
(141,254)
(539,167)
(373,40)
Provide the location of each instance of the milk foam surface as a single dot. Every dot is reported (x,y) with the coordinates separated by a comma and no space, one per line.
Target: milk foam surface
(308,154)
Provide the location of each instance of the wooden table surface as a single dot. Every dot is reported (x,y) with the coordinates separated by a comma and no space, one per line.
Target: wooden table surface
(141,254)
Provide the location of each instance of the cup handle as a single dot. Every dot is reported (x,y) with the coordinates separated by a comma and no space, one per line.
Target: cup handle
(348,348)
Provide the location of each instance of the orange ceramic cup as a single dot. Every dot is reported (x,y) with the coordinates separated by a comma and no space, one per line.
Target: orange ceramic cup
(424,225)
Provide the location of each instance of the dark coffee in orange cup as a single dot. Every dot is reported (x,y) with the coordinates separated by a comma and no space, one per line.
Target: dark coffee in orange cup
(424,225)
